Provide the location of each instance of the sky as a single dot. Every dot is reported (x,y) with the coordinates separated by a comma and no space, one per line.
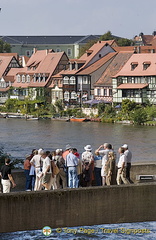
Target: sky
(124,18)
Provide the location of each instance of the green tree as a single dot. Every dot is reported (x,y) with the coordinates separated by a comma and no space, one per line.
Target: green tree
(128,106)
(101,108)
(107,36)
(139,116)
(4,47)
(124,42)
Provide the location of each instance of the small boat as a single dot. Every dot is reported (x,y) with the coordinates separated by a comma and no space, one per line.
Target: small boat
(33,119)
(64,119)
(78,119)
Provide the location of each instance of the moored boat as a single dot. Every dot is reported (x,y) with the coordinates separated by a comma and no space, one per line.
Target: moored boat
(78,119)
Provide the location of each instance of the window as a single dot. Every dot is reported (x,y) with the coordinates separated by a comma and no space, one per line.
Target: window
(66,80)
(43,77)
(58,50)
(105,92)
(34,78)
(72,80)
(27,53)
(146,65)
(23,79)
(85,80)
(110,92)
(28,78)
(39,77)
(18,78)
(66,95)
(98,92)
(73,95)
(69,52)
(133,65)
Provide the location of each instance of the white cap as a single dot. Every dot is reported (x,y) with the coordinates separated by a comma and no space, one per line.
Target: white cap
(125,146)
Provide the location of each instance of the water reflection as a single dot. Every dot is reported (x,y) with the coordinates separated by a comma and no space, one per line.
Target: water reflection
(19,137)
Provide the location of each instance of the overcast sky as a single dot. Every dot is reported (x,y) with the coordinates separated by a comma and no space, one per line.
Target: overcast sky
(124,18)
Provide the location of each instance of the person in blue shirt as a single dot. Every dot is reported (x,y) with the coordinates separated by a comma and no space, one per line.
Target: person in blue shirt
(71,163)
(97,168)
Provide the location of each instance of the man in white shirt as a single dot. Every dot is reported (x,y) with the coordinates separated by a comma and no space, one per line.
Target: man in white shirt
(128,154)
(121,174)
(36,161)
(104,152)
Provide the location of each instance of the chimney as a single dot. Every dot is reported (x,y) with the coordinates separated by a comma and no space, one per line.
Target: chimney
(139,49)
(34,50)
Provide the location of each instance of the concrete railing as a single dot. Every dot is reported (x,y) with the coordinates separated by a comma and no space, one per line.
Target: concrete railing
(77,207)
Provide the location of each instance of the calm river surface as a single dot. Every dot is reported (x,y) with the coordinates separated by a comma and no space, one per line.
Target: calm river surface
(19,137)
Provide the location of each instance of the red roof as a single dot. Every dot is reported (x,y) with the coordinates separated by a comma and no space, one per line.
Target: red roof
(132,86)
(116,64)
(139,70)
(93,67)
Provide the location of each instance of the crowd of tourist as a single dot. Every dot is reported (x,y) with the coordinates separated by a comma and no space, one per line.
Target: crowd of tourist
(45,170)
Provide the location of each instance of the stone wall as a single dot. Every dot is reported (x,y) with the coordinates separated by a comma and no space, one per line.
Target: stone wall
(77,207)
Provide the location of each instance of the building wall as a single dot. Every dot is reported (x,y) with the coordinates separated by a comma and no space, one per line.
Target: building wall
(25,49)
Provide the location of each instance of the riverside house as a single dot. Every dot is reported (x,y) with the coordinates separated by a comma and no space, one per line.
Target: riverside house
(136,80)
(76,86)
(103,85)
(33,80)
(9,65)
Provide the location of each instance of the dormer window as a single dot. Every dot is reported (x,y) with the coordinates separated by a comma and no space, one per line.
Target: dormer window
(89,52)
(18,78)
(28,78)
(72,80)
(23,79)
(146,65)
(43,77)
(66,80)
(34,78)
(134,65)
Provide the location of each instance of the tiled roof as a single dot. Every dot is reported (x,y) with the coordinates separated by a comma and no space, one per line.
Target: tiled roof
(117,63)
(137,49)
(139,70)
(93,67)
(94,49)
(48,39)
(132,86)
(45,63)
(147,39)
(9,54)
(4,62)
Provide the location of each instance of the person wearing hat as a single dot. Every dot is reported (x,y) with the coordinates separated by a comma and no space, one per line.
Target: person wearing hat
(88,165)
(66,152)
(27,166)
(128,155)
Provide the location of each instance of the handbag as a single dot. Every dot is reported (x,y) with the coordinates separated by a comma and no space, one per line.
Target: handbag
(55,168)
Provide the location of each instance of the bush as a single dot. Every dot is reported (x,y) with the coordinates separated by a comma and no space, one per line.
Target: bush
(139,116)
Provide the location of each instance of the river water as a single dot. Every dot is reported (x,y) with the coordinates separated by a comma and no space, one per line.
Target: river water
(19,137)
(124,231)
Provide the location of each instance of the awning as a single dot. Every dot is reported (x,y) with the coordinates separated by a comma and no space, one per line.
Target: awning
(132,86)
